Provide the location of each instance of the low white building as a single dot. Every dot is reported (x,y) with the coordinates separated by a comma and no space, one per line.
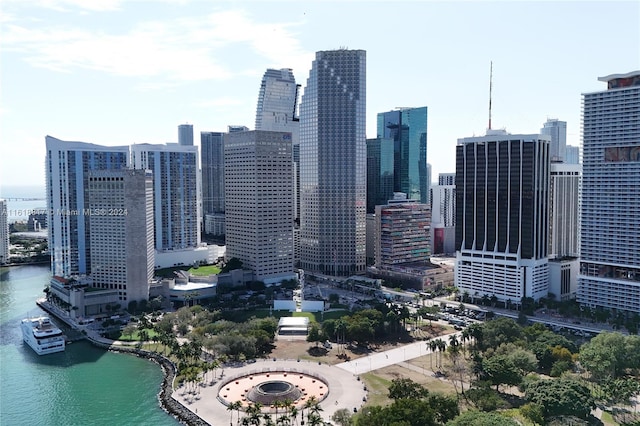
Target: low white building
(293,325)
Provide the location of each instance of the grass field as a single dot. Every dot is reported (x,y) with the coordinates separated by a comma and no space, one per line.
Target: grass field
(136,336)
(205,270)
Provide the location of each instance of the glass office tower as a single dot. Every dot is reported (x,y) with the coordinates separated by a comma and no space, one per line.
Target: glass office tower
(408,129)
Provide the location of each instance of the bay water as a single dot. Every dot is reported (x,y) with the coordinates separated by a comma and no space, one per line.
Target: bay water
(84,385)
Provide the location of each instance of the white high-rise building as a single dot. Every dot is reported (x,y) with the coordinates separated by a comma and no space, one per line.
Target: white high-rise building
(67,167)
(443,213)
(502,216)
(4,233)
(610,239)
(259,203)
(185,134)
(557,131)
(333,164)
(564,216)
(121,239)
(175,193)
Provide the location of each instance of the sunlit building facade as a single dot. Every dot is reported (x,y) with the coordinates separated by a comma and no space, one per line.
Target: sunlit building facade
(333,164)
(610,238)
(67,166)
(259,194)
(175,193)
(502,216)
(407,127)
(121,239)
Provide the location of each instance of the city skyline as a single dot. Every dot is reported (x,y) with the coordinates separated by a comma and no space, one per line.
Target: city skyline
(145,77)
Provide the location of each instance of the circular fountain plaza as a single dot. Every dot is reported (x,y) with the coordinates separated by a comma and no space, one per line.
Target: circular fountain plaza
(266,387)
(267,381)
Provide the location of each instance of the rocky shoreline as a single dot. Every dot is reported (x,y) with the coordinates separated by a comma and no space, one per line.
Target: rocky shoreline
(167,402)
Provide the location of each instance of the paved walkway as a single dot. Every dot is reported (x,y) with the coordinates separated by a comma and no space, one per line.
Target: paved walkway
(345,390)
(389,357)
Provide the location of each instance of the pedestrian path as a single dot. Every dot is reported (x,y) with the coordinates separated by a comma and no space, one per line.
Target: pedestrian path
(377,360)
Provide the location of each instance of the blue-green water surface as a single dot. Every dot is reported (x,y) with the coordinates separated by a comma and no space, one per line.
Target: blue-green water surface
(82,386)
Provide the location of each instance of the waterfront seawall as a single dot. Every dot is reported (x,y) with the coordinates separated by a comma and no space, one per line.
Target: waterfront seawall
(169,370)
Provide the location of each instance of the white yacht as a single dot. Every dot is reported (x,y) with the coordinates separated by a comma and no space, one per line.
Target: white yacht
(42,335)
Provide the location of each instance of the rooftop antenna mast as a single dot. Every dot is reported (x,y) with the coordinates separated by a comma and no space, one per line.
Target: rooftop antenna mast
(490,90)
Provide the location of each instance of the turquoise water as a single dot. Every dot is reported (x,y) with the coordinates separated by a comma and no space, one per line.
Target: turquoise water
(82,386)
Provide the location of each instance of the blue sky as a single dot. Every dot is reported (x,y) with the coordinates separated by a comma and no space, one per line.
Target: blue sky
(118,72)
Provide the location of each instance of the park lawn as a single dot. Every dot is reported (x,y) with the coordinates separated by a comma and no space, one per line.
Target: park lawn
(608,419)
(136,336)
(205,270)
(377,389)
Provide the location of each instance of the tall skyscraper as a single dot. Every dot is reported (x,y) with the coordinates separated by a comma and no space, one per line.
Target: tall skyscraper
(502,216)
(408,129)
(4,233)
(259,202)
(212,145)
(610,239)
(277,111)
(557,131)
(379,172)
(121,239)
(185,134)
(443,214)
(67,167)
(277,101)
(333,161)
(175,193)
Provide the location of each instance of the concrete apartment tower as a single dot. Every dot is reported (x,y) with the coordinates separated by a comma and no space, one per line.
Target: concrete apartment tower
(564,215)
(277,110)
(185,134)
(259,203)
(502,216)
(610,238)
(333,164)
(121,239)
(67,167)
(443,214)
(175,193)
(4,233)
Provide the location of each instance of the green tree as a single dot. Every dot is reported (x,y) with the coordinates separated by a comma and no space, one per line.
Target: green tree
(561,397)
(406,388)
(500,369)
(233,263)
(533,412)
(129,330)
(499,331)
(315,334)
(342,417)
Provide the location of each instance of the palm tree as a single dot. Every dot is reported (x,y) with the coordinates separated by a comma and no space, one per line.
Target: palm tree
(432,346)
(453,340)
(253,412)
(464,337)
(293,413)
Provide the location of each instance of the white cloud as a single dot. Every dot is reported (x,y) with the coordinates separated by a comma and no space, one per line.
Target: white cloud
(185,49)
